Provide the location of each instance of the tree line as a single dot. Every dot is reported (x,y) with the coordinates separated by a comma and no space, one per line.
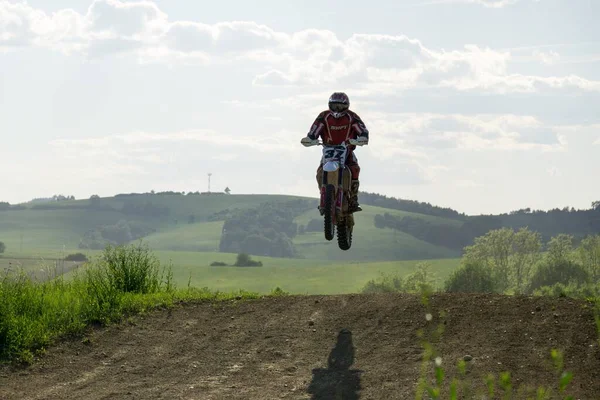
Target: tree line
(512,262)
(266,230)
(380,200)
(578,223)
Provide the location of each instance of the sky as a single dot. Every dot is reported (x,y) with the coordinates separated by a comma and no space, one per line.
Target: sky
(485,106)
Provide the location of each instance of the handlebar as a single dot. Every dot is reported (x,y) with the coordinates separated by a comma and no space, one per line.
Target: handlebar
(317,142)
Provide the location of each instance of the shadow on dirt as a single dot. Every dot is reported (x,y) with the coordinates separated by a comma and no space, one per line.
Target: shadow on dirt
(337,381)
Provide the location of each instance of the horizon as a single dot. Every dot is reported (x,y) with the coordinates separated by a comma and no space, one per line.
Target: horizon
(198,192)
(481,106)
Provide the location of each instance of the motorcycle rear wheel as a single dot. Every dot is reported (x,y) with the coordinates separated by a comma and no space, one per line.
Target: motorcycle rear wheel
(344,235)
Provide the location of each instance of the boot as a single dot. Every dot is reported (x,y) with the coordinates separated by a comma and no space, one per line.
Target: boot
(353,198)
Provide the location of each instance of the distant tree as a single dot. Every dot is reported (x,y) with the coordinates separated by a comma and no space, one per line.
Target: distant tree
(227,190)
(510,256)
(265,230)
(560,249)
(375,199)
(191,219)
(596,205)
(94,201)
(4,205)
(2,247)
(589,256)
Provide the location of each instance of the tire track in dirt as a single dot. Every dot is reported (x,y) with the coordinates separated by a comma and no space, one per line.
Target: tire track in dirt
(313,347)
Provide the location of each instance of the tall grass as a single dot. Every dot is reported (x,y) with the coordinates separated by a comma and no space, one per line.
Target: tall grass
(33,313)
(123,281)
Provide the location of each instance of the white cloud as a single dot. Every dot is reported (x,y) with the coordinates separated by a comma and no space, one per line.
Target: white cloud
(272,78)
(377,63)
(419,133)
(141,146)
(549,58)
(114,18)
(485,3)
(554,172)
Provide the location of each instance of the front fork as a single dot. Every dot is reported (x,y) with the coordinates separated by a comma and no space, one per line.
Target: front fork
(340,192)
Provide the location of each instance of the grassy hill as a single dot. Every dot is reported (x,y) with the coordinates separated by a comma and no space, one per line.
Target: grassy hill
(189,225)
(39,228)
(371,243)
(194,223)
(202,236)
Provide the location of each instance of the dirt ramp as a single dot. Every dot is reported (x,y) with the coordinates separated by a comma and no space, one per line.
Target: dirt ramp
(315,347)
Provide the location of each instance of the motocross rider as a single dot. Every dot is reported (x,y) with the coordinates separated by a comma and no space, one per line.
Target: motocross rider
(335,126)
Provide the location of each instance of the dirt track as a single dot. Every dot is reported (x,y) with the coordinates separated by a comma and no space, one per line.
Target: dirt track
(317,347)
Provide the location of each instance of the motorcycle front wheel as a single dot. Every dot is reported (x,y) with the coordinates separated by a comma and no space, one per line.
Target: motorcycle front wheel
(329,209)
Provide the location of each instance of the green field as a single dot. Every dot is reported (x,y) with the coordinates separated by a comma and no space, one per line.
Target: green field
(299,276)
(37,239)
(317,279)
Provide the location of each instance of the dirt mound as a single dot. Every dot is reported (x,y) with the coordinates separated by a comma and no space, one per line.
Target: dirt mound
(315,347)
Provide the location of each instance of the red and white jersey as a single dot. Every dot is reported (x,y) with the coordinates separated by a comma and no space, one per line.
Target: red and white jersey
(337,130)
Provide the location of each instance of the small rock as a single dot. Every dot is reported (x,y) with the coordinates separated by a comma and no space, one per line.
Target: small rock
(232,317)
(538,309)
(314,330)
(468,357)
(311,323)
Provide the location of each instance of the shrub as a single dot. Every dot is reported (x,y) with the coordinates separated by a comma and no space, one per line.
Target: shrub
(385,284)
(585,291)
(422,279)
(76,257)
(218,264)
(2,247)
(560,271)
(244,260)
(131,269)
(470,278)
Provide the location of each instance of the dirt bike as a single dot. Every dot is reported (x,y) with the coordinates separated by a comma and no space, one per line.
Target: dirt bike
(334,185)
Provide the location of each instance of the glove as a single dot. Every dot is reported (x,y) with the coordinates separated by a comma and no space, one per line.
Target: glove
(306,141)
(362,140)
